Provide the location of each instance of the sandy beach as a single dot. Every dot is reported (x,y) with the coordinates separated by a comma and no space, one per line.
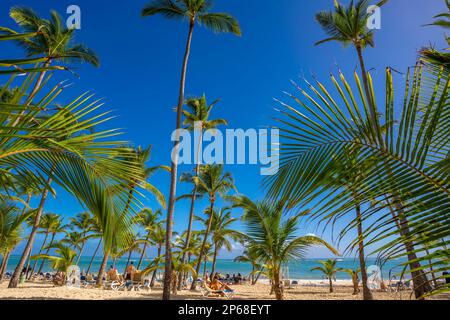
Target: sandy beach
(260,291)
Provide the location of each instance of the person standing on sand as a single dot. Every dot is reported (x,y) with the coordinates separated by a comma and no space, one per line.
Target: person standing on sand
(355,280)
(129,273)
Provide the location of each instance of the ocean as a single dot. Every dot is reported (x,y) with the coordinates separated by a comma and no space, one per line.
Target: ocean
(292,270)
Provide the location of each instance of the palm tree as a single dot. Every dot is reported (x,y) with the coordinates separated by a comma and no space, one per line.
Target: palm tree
(62,149)
(82,221)
(355,279)
(64,257)
(53,41)
(273,237)
(212,180)
(55,226)
(96,232)
(251,256)
(196,115)
(196,12)
(329,270)
(46,224)
(348,25)
(403,173)
(221,232)
(147,219)
(347,178)
(74,240)
(11,221)
(158,237)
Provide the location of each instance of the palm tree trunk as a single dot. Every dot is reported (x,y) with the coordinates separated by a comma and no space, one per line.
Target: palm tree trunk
(16,275)
(27,268)
(93,257)
(205,239)
(152,281)
(257,277)
(433,276)
(191,210)
(213,269)
(102,269)
(40,251)
(174,169)
(143,253)
(371,103)
(331,285)
(420,281)
(33,92)
(277,287)
(367,294)
(128,262)
(47,252)
(81,251)
(253,275)
(4,265)
(204,266)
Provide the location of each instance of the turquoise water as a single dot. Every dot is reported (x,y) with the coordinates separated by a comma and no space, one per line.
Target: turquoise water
(297,269)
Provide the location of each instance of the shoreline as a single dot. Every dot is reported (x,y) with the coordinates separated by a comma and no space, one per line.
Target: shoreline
(260,291)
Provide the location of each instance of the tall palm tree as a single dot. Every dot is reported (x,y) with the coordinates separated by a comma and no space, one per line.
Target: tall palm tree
(273,237)
(147,219)
(221,233)
(195,12)
(196,115)
(346,177)
(53,42)
(348,25)
(329,270)
(403,172)
(211,181)
(55,226)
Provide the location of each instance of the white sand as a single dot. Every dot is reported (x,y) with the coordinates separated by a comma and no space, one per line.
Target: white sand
(343,291)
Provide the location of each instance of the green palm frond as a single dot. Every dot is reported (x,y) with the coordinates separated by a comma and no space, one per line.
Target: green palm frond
(408,177)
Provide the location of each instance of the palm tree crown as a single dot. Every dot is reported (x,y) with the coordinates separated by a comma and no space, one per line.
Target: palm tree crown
(53,40)
(194,11)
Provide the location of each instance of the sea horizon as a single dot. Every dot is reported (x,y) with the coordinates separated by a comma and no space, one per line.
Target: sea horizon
(301,269)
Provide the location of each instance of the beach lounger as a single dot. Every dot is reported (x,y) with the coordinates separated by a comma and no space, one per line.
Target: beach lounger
(208,292)
(139,282)
(114,281)
(90,281)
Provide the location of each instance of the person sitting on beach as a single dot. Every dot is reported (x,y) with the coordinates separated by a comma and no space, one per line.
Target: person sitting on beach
(129,274)
(237,279)
(217,285)
(112,273)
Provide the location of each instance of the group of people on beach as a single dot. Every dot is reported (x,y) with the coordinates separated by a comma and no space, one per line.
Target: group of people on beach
(229,279)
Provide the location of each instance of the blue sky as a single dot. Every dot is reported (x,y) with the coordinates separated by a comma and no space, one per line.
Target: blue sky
(141,59)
